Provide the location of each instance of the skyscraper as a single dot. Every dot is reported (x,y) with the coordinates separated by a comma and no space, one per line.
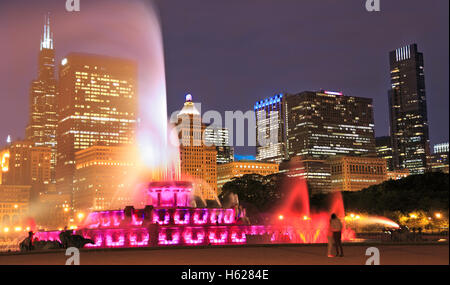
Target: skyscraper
(197,160)
(322,124)
(219,137)
(438,160)
(23,163)
(408,109)
(41,128)
(101,178)
(384,150)
(312,127)
(96,104)
(270,118)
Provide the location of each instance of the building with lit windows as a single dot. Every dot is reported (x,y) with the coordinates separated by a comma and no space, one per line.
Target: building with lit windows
(97,103)
(312,127)
(270,129)
(226,172)
(351,173)
(408,109)
(384,150)
(397,174)
(26,164)
(14,204)
(198,161)
(441,148)
(4,164)
(42,122)
(315,171)
(101,178)
(323,124)
(219,137)
(438,160)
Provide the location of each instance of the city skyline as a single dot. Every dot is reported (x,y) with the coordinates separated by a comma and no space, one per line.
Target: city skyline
(220,125)
(257,88)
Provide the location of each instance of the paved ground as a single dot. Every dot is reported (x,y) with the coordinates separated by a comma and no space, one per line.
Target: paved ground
(245,255)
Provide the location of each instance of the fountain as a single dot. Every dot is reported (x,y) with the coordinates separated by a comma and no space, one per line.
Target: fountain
(296,222)
(170,220)
(169,216)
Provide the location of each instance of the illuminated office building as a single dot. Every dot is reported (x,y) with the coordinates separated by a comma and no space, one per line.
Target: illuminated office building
(270,119)
(441,148)
(322,124)
(97,103)
(438,161)
(41,128)
(4,164)
(102,178)
(313,126)
(350,173)
(14,204)
(226,172)
(26,164)
(384,150)
(219,137)
(408,109)
(315,171)
(198,162)
(397,174)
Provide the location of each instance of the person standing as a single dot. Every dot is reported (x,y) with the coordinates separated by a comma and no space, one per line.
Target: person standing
(336,228)
(330,242)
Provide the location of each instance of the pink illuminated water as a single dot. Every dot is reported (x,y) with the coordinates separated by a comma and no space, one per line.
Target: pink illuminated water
(296,222)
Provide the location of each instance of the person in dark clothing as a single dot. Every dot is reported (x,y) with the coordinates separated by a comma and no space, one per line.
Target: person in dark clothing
(336,229)
(27,243)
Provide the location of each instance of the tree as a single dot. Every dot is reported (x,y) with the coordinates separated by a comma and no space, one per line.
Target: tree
(256,192)
(427,192)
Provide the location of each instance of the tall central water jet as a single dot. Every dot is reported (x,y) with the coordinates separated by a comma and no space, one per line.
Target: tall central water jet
(155,152)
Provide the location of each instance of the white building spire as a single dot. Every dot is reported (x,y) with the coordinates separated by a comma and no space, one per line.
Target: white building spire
(47,38)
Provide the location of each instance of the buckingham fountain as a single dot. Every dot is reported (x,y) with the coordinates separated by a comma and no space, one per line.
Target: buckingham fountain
(167,214)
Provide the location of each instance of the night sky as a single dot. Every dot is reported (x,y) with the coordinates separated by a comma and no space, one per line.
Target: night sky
(230,53)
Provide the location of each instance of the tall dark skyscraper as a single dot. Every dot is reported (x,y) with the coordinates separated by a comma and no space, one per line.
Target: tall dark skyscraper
(384,150)
(97,104)
(408,109)
(322,124)
(41,128)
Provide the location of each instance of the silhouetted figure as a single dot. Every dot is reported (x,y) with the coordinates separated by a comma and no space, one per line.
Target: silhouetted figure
(336,229)
(64,237)
(27,243)
(68,239)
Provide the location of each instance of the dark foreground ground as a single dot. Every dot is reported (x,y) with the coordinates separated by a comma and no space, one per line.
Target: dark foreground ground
(425,254)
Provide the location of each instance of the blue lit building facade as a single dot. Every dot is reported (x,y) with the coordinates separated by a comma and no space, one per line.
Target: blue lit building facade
(270,119)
